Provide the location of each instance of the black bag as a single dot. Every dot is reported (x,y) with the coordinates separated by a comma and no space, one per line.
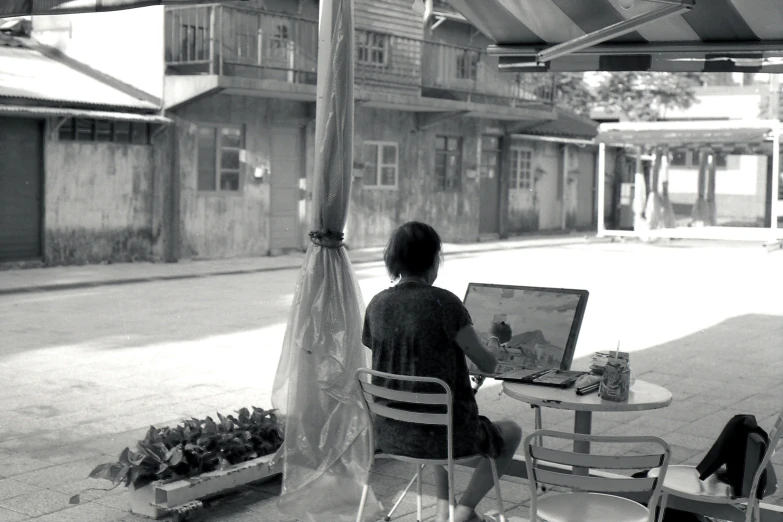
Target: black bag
(736,455)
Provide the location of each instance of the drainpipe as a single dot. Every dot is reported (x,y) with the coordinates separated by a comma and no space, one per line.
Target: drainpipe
(563,189)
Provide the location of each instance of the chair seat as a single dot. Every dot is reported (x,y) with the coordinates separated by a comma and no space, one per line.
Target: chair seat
(683,481)
(590,507)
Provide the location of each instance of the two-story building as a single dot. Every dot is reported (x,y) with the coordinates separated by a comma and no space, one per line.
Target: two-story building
(440,134)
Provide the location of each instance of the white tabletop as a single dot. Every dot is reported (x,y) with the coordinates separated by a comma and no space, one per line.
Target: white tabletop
(642,396)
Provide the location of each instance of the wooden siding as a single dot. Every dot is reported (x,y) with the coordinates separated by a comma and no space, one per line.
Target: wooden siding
(389,16)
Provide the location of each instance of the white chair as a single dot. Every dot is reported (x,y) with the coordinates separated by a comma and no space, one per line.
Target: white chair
(684,482)
(444,399)
(589,500)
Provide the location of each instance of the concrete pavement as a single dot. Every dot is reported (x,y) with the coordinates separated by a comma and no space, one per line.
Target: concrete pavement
(85,372)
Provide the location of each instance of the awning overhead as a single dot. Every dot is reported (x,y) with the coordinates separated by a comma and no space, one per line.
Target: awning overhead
(652,35)
(729,135)
(11,8)
(43,112)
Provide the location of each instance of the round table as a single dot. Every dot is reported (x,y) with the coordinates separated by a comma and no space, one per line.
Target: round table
(642,396)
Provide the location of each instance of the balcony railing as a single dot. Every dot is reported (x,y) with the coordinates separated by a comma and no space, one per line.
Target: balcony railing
(239,41)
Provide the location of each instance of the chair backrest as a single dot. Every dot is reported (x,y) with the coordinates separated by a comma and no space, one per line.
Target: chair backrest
(775,436)
(371,392)
(555,467)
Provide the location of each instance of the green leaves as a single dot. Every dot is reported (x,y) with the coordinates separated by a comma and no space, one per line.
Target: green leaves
(195,447)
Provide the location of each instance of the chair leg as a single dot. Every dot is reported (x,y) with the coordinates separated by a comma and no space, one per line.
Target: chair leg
(419,516)
(402,496)
(539,424)
(662,506)
(501,512)
(360,515)
(452,500)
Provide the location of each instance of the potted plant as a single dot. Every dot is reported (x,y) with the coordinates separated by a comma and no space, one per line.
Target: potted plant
(193,449)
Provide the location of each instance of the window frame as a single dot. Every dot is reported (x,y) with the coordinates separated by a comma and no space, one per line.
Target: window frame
(443,187)
(138,132)
(467,64)
(515,173)
(379,165)
(219,148)
(363,44)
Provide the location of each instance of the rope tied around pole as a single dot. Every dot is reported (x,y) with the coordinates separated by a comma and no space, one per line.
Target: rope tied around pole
(327,238)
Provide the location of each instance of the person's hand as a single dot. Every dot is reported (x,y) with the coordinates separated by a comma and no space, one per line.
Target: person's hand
(477,381)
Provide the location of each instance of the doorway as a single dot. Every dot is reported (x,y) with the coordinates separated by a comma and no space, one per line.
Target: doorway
(489,185)
(21,189)
(284,185)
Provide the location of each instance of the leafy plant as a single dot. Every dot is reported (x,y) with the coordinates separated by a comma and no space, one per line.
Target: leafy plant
(195,447)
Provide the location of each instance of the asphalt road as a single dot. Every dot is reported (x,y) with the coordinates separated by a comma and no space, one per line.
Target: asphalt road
(227,331)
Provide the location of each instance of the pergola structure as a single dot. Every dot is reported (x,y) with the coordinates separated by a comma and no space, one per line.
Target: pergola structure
(731,137)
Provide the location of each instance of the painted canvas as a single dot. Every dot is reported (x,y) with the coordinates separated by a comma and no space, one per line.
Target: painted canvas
(527,327)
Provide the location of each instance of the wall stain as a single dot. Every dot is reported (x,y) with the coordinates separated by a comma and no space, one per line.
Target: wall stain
(79,246)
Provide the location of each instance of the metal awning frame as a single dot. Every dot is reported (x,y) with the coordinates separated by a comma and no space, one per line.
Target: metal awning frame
(672,7)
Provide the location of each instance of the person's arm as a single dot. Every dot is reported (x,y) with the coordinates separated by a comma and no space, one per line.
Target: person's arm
(468,339)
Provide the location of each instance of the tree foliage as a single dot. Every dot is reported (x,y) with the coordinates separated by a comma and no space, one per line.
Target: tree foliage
(574,93)
(635,96)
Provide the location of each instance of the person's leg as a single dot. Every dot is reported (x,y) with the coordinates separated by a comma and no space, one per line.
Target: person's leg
(481,481)
(441,494)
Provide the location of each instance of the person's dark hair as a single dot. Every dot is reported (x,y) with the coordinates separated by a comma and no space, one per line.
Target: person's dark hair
(413,249)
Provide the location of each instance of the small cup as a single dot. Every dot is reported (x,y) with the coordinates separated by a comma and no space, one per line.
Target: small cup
(615,382)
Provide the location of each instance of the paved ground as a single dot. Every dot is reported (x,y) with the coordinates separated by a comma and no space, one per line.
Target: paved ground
(86,370)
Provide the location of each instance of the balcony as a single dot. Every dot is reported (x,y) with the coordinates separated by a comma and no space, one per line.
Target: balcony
(248,43)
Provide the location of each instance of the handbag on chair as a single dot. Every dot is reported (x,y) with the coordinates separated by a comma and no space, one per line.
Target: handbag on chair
(736,455)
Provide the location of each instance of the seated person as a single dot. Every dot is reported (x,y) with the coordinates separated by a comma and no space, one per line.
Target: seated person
(419,330)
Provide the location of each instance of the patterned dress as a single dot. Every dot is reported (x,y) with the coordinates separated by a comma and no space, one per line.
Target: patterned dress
(411,330)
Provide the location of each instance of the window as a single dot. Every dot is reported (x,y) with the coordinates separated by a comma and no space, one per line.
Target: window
(680,158)
(448,163)
(372,48)
(521,169)
(381,165)
(85,129)
(490,155)
(219,150)
(280,38)
(720,160)
(467,64)
(194,45)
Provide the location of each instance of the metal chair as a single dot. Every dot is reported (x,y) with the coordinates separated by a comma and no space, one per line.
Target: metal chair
(371,391)
(589,500)
(684,482)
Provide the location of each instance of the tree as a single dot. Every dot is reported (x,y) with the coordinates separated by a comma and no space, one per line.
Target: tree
(645,96)
(574,93)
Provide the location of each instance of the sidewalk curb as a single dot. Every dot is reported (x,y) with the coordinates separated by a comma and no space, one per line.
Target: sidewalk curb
(374,259)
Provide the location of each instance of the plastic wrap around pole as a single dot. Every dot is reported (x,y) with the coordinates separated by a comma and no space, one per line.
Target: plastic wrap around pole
(322,89)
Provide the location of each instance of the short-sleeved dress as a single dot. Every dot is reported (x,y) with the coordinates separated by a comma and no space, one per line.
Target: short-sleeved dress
(411,330)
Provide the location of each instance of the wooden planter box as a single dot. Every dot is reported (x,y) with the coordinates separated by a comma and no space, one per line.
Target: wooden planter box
(156,499)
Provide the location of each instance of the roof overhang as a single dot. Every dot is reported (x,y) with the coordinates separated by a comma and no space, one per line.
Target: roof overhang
(555,139)
(650,35)
(715,133)
(46,112)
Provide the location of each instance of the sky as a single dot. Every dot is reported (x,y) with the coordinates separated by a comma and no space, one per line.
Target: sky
(551,313)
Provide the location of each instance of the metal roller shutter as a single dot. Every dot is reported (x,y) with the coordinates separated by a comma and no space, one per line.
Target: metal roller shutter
(21,188)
